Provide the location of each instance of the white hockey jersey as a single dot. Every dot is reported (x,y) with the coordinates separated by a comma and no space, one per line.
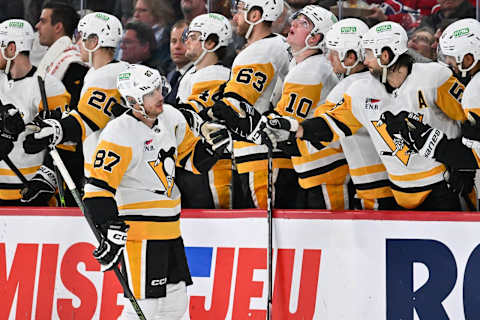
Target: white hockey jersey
(366,169)
(433,94)
(305,89)
(254,74)
(99,95)
(25,94)
(200,88)
(135,164)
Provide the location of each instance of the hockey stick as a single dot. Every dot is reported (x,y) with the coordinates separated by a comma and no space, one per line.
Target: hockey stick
(270,231)
(76,195)
(46,114)
(14,168)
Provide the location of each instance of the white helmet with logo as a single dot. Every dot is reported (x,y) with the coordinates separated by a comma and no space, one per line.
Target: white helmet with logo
(322,21)
(344,36)
(459,39)
(18,31)
(271,10)
(386,34)
(137,81)
(106,27)
(208,24)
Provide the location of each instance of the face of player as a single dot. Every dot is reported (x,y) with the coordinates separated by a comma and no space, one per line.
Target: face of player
(89,43)
(239,19)
(334,59)
(9,52)
(299,30)
(46,32)
(193,46)
(153,103)
(372,63)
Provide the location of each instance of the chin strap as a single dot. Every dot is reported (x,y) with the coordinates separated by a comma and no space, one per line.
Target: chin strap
(9,60)
(252,24)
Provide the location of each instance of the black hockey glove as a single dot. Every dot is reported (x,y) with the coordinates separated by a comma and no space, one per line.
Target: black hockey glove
(471,131)
(217,136)
(112,245)
(11,122)
(193,119)
(47,133)
(396,127)
(41,187)
(422,137)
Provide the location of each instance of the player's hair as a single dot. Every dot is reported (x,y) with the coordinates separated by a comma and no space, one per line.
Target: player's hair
(65,14)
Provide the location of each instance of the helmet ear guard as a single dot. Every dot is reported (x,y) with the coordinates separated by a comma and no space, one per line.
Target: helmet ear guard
(458,40)
(386,34)
(210,24)
(106,27)
(271,10)
(18,31)
(345,36)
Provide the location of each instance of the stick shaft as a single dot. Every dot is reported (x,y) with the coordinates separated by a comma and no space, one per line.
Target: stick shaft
(76,195)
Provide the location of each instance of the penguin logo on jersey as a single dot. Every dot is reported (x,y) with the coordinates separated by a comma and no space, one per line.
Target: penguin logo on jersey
(395,142)
(164,168)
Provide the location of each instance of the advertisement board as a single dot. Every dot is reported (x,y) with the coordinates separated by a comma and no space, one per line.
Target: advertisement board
(346,265)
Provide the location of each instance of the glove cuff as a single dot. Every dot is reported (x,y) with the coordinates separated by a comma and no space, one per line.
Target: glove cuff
(434,138)
(57,134)
(47,175)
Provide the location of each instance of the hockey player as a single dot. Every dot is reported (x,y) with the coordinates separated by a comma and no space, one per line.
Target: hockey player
(99,102)
(396,86)
(19,89)
(460,48)
(206,41)
(131,187)
(247,94)
(321,172)
(368,173)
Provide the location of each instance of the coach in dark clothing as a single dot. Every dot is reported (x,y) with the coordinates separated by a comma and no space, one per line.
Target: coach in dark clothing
(457,9)
(139,46)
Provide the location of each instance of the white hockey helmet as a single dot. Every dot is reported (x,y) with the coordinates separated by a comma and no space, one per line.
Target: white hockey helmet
(212,23)
(459,39)
(386,34)
(105,26)
(18,31)
(208,24)
(271,10)
(322,21)
(137,81)
(344,36)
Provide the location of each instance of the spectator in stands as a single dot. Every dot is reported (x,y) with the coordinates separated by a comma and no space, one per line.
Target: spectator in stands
(177,53)
(451,9)
(158,14)
(139,46)
(193,8)
(299,4)
(421,40)
(408,13)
